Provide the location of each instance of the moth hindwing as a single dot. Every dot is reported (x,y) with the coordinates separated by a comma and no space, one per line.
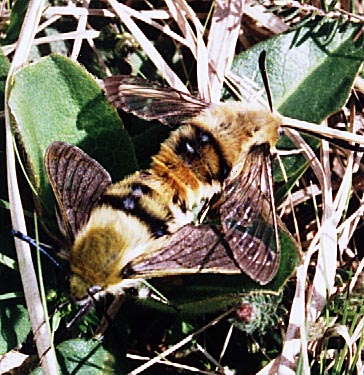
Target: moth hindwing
(77,181)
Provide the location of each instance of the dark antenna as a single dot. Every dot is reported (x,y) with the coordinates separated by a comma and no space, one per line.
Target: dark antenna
(32,242)
(338,142)
(263,72)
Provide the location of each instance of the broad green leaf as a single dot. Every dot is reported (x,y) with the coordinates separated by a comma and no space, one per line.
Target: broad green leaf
(16,21)
(310,75)
(4,68)
(14,324)
(84,357)
(311,72)
(56,99)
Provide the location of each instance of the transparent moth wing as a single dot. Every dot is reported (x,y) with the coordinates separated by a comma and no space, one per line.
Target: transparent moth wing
(152,101)
(248,217)
(192,249)
(77,181)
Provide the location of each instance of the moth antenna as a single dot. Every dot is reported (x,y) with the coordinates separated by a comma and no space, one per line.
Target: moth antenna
(82,311)
(32,242)
(263,72)
(102,311)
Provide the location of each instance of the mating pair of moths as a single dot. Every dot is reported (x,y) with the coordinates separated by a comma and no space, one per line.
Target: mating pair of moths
(142,226)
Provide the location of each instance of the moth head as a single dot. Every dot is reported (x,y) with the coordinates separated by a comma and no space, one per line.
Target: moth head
(103,247)
(261,123)
(80,289)
(245,124)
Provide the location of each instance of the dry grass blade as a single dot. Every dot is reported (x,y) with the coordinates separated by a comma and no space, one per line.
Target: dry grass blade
(295,341)
(37,316)
(81,27)
(87,34)
(181,12)
(324,279)
(124,13)
(179,366)
(223,36)
(183,342)
(322,130)
(267,19)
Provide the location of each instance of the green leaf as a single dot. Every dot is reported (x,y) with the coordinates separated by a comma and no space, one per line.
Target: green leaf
(310,75)
(311,72)
(84,357)
(14,324)
(56,99)
(16,21)
(4,68)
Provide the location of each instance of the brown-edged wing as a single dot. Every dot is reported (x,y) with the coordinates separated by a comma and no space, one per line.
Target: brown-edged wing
(152,101)
(248,216)
(191,250)
(77,181)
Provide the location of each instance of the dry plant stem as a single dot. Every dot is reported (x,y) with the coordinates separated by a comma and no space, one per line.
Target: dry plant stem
(194,370)
(180,344)
(81,27)
(148,16)
(76,12)
(324,279)
(223,36)
(31,292)
(182,13)
(88,34)
(295,341)
(124,13)
(323,130)
(202,57)
(341,200)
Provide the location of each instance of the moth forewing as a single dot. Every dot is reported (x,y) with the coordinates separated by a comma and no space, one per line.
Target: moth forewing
(249,219)
(77,182)
(152,101)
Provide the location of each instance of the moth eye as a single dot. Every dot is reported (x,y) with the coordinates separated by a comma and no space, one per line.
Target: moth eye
(159,233)
(129,203)
(204,138)
(137,191)
(94,290)
(225,171)
(189,148)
